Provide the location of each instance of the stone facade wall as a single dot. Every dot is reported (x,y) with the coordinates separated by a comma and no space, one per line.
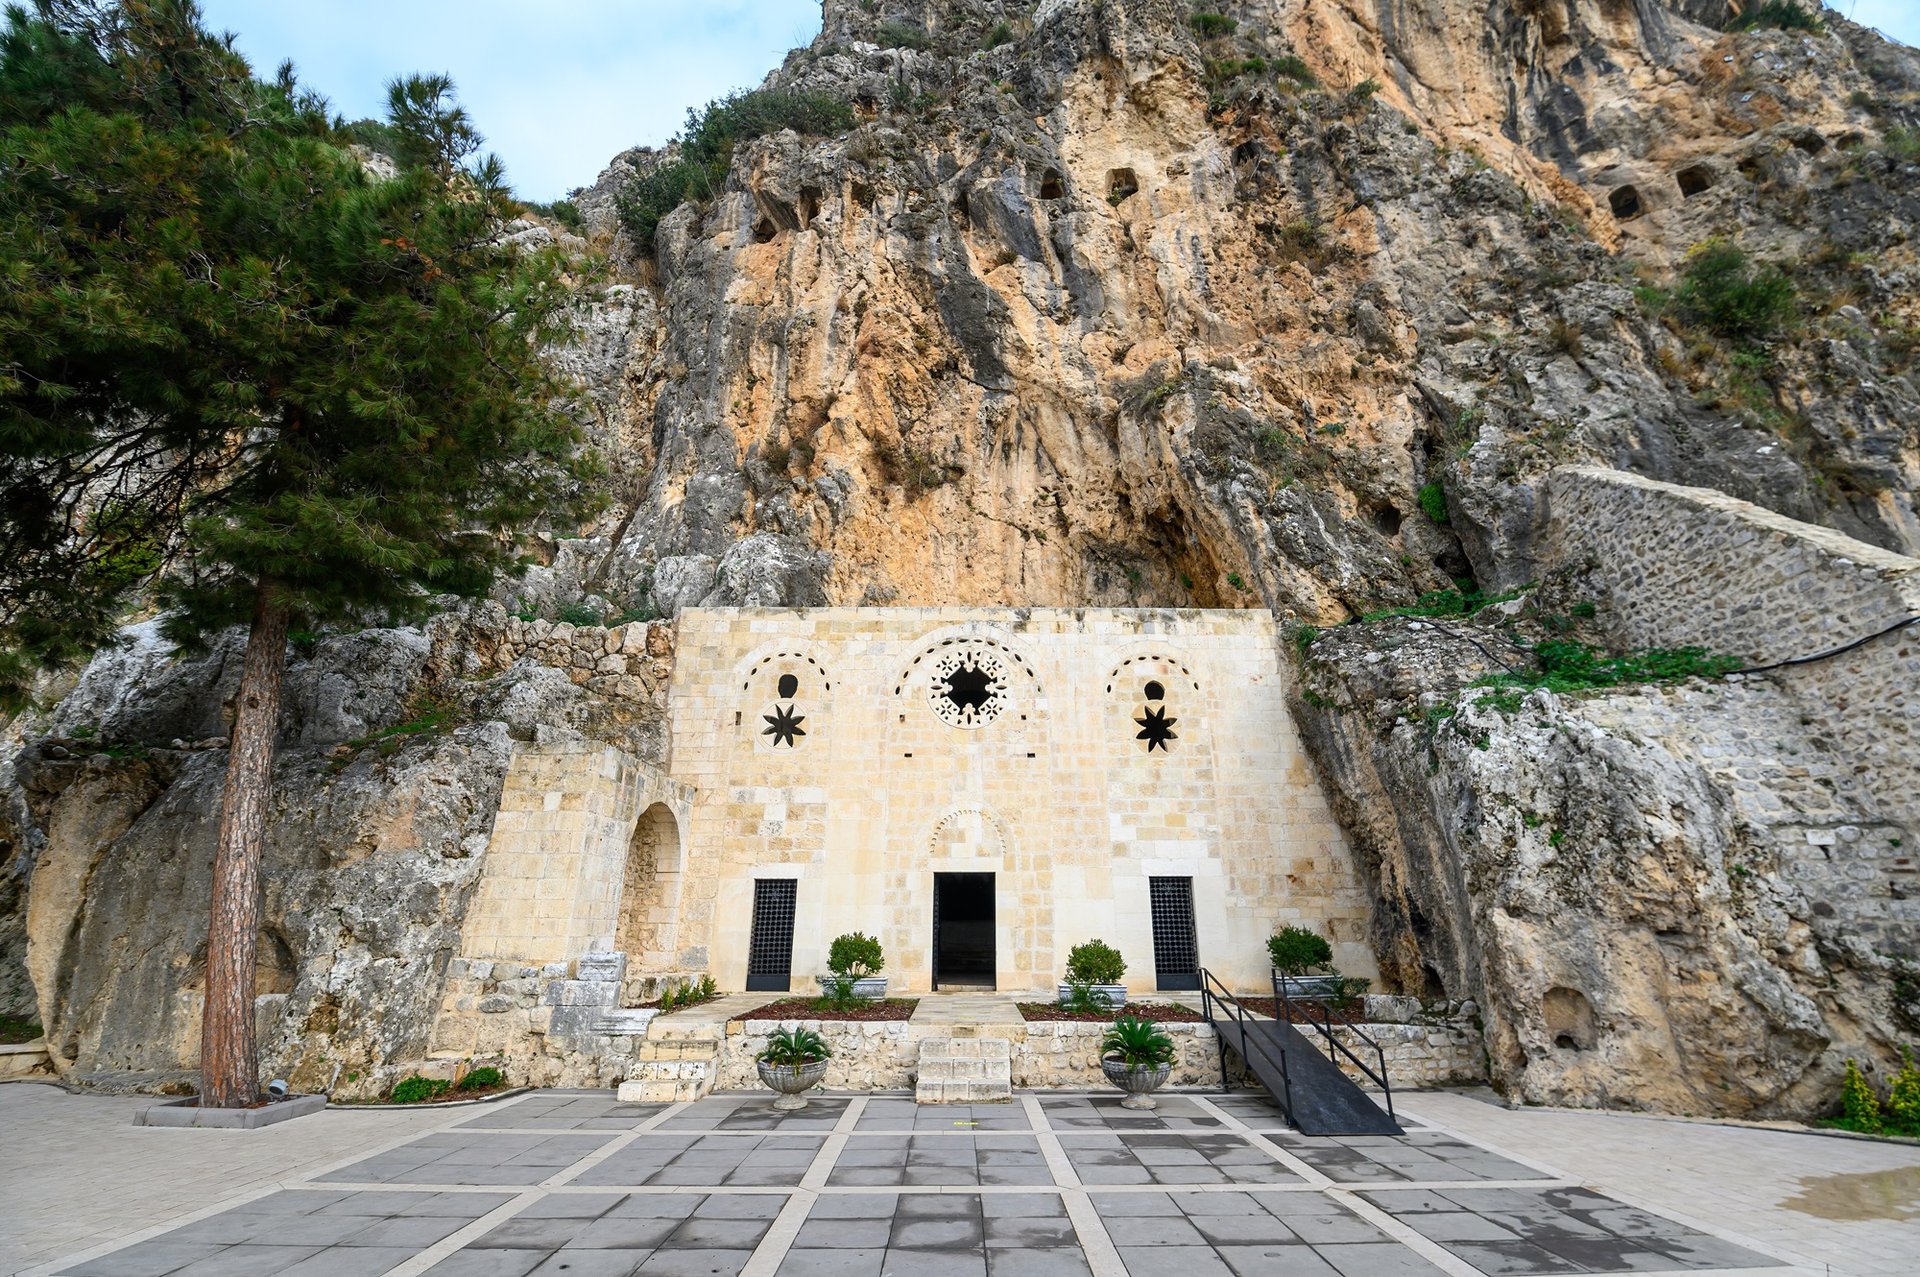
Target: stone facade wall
(1055,791)
(1692,566)
(883,1055)
(557,861)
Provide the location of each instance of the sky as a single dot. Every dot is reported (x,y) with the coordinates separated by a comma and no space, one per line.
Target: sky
(560,87)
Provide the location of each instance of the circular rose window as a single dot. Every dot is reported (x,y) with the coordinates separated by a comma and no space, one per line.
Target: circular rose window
(968,687)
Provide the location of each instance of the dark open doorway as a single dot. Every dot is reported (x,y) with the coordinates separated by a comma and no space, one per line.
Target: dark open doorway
(963,931)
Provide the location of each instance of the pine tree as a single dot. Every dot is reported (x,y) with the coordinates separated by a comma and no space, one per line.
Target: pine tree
(241,370)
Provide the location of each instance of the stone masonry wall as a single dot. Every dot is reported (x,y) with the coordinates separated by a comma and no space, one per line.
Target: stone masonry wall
(883,1055)
(1690,566)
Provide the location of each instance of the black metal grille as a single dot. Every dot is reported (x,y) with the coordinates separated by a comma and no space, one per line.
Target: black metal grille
(770,950)
(1176,949)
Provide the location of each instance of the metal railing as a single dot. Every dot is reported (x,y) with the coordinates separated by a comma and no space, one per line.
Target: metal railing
(1236,1015)
(1323,1024)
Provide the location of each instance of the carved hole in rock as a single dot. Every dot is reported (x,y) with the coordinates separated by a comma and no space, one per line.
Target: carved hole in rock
(1754,168)
(1433,986)
(1625,203)
(763,230)
(1569,1018)
(1051,187)
(1247,152)
(1153,691)
(274,968)
(1810,142)
(1694,179)
(809,205)
(862,194)
(788,687)
(1121,183)
(1386,521)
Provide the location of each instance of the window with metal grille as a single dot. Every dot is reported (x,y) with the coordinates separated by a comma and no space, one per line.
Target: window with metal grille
(770,950)
(1176,948)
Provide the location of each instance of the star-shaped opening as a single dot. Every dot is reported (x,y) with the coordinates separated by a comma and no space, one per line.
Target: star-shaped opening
(783,725)
(1156,728)
(968,688)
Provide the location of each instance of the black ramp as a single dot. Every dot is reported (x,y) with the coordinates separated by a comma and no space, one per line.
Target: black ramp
(1318,1097)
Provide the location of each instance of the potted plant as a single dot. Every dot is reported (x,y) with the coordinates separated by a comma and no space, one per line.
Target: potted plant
(1093,975)
(1136,1057)
(794,1060)
(1297,951)
(855,962)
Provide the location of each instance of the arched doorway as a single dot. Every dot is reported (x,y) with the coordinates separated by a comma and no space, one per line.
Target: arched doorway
(650,892)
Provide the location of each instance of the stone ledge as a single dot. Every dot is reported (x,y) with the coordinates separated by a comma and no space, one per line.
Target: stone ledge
(188,1113)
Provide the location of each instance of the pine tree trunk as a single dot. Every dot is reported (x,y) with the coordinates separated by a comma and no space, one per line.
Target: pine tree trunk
(229,1057)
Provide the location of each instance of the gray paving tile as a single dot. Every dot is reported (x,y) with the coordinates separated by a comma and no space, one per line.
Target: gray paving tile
(657,1206)
(1055,1262)
(487,1263)
(854,1206)
(1029,1231)
(144,1259)
(1276,1261)
(1150,1230)
(1188,1261)
(247,1261)
(350,1261)
(936,1234)
(1698,1250)
(590,1263)
(694,1263)
(1378,1259)
(1243,1230)
(1333,1226)
(832,1263)
(937,1263)
(525,1233)
(1510,1259)
(844,1234)
(993,1205)
(1459,1226)
(1611,1255)
(704,1233)
(614,1232)
(571,1206)
(298,1201)
(418,1233)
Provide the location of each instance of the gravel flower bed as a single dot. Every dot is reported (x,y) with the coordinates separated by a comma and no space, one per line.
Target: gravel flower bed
(1267,1006)
(1161,1012)
(813,1009)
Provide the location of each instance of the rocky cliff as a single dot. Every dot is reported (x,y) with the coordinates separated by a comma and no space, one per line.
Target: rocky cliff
(1096,302)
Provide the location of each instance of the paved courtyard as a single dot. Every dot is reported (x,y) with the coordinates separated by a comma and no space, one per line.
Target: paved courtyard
(1055,1185)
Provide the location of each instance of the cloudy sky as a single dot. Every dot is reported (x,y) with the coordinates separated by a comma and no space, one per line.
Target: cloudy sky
(561,86)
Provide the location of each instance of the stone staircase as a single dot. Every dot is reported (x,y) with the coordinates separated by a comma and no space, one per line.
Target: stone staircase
(667,1070)
(964,1070)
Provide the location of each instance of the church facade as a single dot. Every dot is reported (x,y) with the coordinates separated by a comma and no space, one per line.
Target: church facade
(982,790)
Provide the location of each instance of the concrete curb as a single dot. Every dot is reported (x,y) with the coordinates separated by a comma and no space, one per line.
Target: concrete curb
(188,1113)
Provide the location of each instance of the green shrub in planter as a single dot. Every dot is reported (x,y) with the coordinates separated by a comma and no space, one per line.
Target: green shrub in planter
(1296,951)
(794,1048)
(1139,1044)
(417,1089)
(481,1078)
(856,955)
(1095,962)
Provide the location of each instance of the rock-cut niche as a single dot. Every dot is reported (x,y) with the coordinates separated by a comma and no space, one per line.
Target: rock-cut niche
(649,891)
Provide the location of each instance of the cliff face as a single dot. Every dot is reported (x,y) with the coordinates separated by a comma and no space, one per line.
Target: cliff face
(1098,315)
(1090,308)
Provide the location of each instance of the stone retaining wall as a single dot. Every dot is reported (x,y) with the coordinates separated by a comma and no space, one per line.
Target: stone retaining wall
(1691,566)
(883,1054)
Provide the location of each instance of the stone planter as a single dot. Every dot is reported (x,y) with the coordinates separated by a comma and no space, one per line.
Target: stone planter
(1113,996)
(188,1113)
(791,1081)
(871,987)
(1138,1081)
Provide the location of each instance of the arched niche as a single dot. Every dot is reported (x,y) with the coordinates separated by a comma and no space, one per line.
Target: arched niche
(650,891)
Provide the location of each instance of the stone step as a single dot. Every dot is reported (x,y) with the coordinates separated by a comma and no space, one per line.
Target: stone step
(964,1071)
(671,1070)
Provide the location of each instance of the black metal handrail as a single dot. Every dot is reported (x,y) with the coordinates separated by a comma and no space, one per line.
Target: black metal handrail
(1239,1015)
(1324,1026)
